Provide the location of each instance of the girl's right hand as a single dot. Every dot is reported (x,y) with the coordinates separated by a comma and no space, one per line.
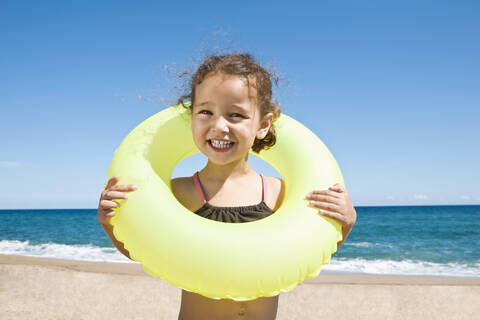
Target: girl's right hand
(106,204)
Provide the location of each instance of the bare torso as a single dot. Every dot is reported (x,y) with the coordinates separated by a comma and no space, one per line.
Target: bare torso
(197,307)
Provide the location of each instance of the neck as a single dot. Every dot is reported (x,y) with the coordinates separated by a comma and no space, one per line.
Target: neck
(221,173)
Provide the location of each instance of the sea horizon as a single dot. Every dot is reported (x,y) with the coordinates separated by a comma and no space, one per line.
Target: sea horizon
(356,206)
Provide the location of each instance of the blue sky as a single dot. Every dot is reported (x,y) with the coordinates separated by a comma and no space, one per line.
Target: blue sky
(392,88)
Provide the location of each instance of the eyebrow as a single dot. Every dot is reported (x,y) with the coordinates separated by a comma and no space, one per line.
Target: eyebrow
(233,105)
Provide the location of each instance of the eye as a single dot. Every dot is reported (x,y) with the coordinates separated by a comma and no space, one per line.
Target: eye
(203,112)
(237,114)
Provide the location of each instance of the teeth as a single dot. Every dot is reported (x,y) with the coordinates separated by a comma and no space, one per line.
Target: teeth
(220,144)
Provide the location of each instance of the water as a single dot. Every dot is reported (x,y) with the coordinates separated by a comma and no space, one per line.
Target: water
(414,240)
(421,240)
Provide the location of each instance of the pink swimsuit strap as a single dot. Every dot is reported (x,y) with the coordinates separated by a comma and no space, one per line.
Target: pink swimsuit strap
(198,185)
(264,187)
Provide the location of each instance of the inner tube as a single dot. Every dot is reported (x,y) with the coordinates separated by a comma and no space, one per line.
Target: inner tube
(238,261)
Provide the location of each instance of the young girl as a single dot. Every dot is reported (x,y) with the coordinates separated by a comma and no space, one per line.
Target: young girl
(232,112)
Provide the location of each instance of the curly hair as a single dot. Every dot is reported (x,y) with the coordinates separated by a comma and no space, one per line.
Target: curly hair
(243,65)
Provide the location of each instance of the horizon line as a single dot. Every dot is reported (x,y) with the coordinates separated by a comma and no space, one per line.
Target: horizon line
(359,206)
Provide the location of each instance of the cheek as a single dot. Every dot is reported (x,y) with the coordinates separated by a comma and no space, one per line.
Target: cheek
(197,132)
(249,135)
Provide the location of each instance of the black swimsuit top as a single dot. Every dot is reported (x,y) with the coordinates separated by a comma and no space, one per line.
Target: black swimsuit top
(233,214)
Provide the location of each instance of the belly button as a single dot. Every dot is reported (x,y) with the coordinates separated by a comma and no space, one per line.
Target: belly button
(241,311)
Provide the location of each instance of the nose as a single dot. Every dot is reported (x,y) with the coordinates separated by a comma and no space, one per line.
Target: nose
(220,125)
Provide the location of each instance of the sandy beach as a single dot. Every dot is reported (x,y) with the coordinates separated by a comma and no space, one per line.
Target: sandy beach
(43,288)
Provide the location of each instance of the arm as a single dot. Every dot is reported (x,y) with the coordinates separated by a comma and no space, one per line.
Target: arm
(345,232)
(108,228)
(107,204)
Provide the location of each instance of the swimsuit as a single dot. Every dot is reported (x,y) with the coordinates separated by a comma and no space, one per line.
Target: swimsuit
(233,214)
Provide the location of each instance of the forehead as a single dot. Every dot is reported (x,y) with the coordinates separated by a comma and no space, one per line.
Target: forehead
(221,85)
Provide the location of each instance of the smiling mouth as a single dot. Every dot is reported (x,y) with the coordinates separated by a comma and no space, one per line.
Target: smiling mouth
(220,146)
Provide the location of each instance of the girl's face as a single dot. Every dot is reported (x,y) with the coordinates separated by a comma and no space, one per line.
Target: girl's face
(226,119)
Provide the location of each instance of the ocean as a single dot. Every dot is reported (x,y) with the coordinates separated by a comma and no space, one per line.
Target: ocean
(399,240)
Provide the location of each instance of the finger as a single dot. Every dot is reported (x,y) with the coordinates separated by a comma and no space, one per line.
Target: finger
(334,215)
(337,187)
(325,193)
(323,205)
(324,198)
(124,187)
(110,195)
(108,204)
(112,181)
(110,213)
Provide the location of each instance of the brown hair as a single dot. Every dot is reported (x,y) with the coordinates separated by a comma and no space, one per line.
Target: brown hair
(243,65)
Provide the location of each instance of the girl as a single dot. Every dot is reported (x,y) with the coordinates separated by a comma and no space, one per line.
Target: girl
(232,112)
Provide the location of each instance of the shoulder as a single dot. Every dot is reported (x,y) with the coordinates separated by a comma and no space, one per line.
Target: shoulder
(276,192)
(179,184)
(184,190)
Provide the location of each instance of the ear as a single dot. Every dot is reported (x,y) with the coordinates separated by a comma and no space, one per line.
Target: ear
(265,124)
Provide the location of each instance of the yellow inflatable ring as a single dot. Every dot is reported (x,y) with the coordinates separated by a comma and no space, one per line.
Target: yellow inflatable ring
(238,261)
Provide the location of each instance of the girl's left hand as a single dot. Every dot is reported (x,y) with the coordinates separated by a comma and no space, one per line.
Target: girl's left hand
(335,203)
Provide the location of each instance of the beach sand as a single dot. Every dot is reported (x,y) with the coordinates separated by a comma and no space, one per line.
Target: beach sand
(43,288)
